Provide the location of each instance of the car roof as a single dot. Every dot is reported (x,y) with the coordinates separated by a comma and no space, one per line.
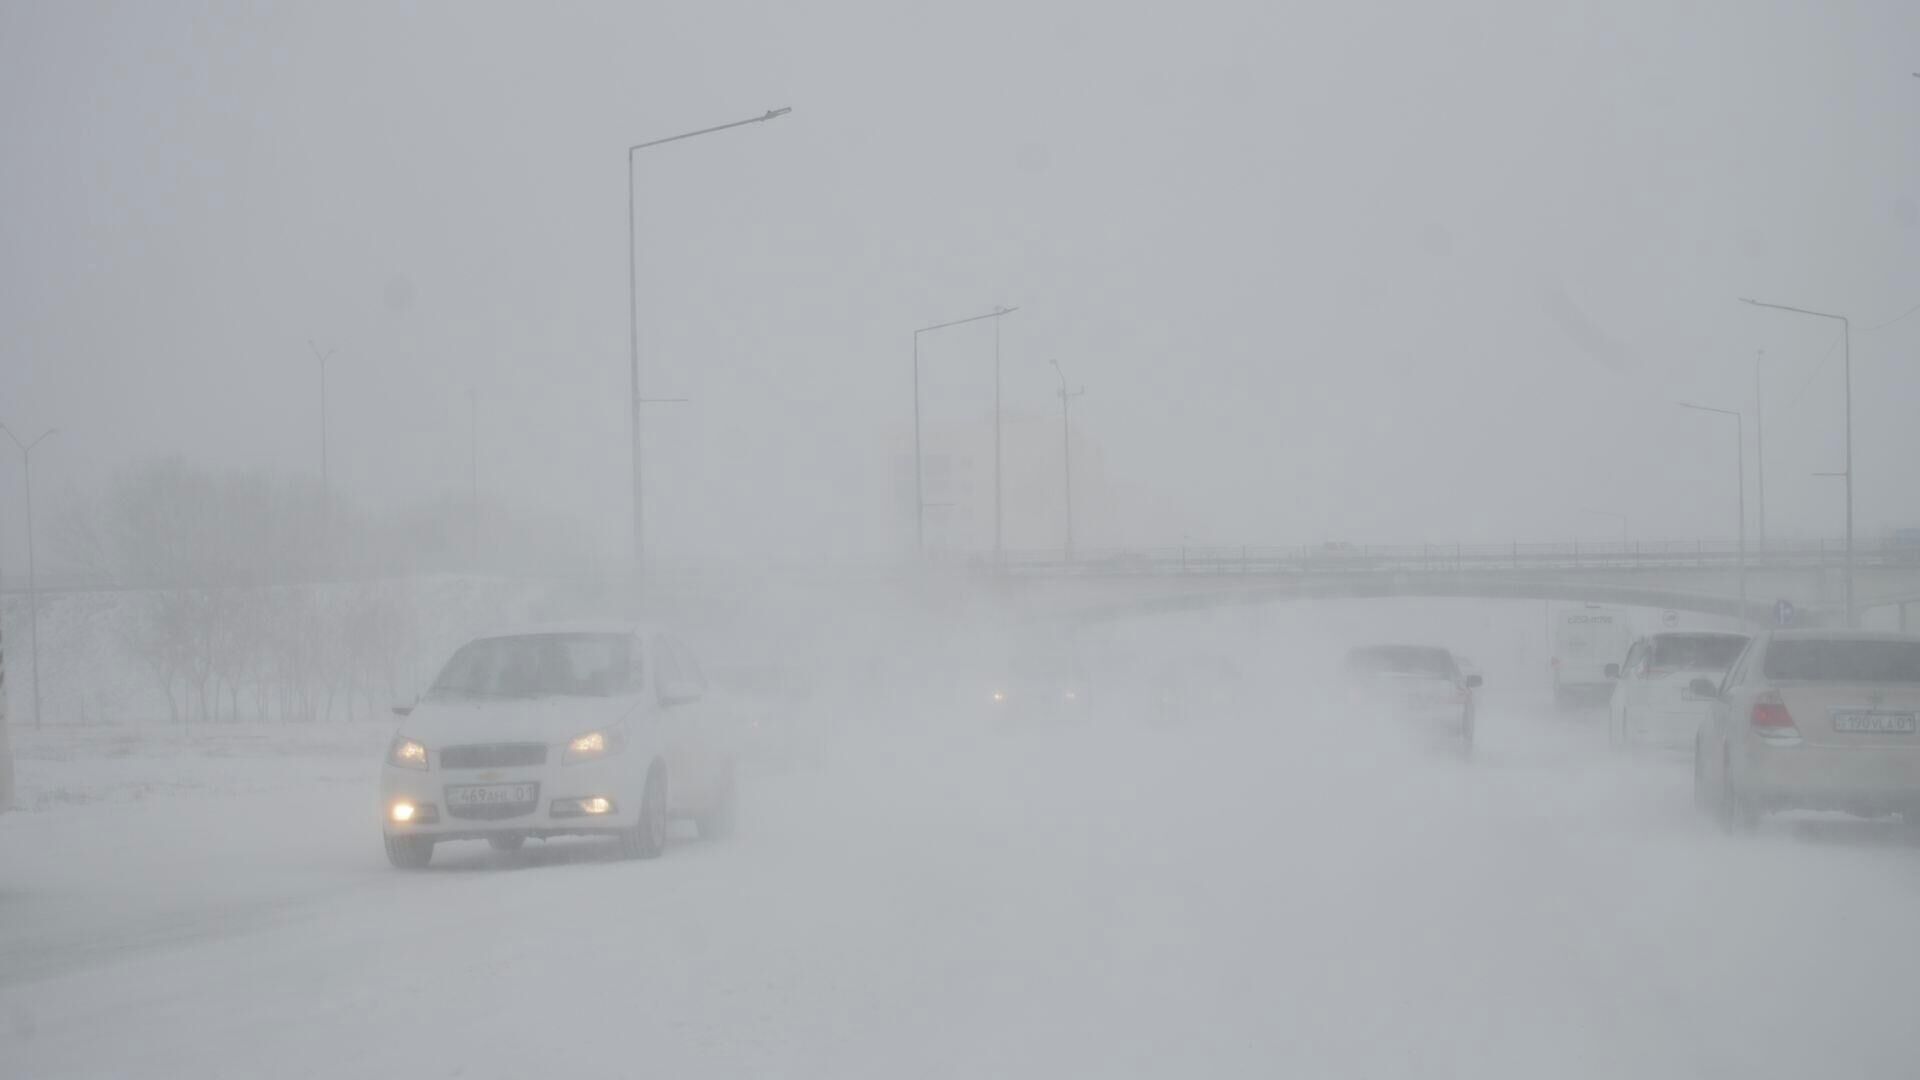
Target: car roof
(1699,633)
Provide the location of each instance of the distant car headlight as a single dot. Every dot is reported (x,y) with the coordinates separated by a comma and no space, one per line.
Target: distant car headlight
(405,753)
(1071,696)
(592,746)
(999,697)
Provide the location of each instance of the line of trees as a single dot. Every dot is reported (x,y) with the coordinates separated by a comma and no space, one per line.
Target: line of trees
(246,595)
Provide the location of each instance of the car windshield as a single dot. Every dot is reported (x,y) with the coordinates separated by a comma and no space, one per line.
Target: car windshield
(541,665)
(1695,652)
(1844,661)
(1401,660)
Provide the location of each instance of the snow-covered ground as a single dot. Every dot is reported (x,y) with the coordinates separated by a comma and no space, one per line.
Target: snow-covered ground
(1276,895)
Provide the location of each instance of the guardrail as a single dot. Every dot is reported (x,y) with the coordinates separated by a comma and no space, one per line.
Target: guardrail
(1449,558)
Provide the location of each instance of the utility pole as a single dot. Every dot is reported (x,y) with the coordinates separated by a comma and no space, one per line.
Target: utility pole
(1066,448)
(33,580)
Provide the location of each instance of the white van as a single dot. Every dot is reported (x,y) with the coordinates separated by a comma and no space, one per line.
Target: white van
(1586,638)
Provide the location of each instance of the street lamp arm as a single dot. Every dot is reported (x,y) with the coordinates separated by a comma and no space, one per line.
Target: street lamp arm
(761,119)
(994,314)
(1708,408)
(26,448)
(1796,310)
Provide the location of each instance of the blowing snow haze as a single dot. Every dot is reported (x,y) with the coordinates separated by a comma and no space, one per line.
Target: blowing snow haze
(1143,542)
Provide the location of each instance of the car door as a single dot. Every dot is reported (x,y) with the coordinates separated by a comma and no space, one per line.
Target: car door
(1638,696)
(1618,704)
(1716,741)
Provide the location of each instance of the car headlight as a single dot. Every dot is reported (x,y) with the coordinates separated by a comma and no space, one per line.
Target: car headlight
(406,753)
(999,697)
(592,746)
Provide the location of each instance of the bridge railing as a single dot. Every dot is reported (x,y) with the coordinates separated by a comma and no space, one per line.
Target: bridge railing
(1347,559)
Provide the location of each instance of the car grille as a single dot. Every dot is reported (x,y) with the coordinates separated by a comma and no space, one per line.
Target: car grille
(493,755)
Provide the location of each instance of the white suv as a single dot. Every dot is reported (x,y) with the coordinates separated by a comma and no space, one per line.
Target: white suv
(1654,704)
(565,730)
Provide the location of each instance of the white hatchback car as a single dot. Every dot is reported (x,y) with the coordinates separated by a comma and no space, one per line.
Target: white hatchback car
(1813,720)
(563,730)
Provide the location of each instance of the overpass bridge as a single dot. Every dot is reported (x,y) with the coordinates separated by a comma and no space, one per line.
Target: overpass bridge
(1694,576)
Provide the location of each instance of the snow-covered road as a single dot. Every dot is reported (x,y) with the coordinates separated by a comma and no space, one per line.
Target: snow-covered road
(1263,901)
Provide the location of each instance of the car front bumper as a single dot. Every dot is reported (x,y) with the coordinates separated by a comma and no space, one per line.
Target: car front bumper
(552,784)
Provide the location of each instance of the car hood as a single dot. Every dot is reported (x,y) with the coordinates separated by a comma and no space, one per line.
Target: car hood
(456,721)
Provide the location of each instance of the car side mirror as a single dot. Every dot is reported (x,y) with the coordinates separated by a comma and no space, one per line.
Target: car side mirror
(1704,688)
(1613,671)
(1474,682)
(403,710)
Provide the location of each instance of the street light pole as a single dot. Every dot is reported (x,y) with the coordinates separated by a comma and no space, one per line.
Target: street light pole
(998,549)
(1740,463)
(33,585)
(919,471)
(326,484)
(633,341)
(1846,332)
(1760,449)
(473,472)
(1066,448)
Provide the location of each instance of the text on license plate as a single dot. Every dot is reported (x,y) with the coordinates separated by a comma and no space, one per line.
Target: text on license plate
(491,794)
(1863,722)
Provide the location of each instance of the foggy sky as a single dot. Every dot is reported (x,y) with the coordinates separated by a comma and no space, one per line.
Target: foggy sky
(1395,275)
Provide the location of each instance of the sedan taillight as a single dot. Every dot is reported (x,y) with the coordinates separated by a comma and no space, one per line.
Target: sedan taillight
(1770,714)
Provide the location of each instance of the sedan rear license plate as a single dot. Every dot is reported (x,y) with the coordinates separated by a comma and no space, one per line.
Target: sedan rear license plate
(491,794)
(1862,722)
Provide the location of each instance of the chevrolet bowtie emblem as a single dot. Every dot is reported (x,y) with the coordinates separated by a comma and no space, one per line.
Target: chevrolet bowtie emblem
(489,776)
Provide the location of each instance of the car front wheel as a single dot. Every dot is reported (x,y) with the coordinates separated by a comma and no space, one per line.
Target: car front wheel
(409,852)
(1736,814)
(648,836)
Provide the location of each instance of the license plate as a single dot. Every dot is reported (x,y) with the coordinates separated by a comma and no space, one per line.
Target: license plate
(491,794)
(1862,722)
